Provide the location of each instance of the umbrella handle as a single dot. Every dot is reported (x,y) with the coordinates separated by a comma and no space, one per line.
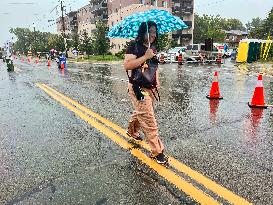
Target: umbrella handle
(148,35)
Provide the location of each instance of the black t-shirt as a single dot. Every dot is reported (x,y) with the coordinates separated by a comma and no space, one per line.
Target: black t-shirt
(138,49)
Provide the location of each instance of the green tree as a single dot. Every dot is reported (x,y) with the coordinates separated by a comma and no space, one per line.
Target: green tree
(163,42)
(75,41)
(208,27)
(86,44)
(36,41)
(56,41)
(267,27)
(24,39)
(254,27)
(259,28)
(233,24)
(40,43)
(101,42)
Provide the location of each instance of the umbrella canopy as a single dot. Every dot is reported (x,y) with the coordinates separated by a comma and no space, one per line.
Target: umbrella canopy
(128,28)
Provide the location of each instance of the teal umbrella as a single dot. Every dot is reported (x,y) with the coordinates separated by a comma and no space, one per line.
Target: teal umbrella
(128,28)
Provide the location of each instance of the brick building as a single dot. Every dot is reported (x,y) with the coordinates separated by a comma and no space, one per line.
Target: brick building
(85,17)
(185,10)
(113,11)
(70,23)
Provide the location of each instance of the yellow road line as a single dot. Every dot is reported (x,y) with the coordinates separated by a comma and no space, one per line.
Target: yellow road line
(208,183)
(97,116)
(169,175)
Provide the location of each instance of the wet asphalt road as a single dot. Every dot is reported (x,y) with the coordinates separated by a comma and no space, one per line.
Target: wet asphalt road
(48,155)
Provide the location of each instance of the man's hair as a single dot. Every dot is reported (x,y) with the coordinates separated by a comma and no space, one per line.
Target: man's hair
(143,30)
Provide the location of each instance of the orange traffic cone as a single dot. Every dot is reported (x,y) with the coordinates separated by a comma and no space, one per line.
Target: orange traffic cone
(48,63)
(215,90)
(258,96)
(180,59)
(62,65)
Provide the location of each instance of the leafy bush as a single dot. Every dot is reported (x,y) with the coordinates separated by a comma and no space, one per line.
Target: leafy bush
(121,54)
(99,58)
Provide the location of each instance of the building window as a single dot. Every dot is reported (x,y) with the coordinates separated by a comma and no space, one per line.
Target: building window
(165,4)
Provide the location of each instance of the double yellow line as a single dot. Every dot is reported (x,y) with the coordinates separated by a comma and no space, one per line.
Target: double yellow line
(110,130)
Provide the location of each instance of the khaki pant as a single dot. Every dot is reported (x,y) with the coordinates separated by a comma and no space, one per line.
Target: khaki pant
(144,118)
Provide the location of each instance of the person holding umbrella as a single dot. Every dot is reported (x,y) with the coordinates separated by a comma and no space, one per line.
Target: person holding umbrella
(140,60)
(137,54)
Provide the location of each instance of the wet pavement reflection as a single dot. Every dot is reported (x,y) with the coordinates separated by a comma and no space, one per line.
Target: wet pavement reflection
(51,156)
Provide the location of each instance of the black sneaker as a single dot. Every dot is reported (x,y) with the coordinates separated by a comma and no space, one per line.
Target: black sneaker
(161,158)
(135,138)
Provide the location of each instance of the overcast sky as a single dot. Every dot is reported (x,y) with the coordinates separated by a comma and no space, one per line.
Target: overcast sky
(15,13)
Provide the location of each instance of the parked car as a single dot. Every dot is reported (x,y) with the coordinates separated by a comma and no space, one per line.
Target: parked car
(173,53)
(194,48)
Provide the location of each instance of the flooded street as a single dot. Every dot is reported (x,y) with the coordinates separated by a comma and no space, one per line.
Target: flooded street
(53,151)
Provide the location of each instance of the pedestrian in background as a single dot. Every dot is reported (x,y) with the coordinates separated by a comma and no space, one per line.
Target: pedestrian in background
(138,53)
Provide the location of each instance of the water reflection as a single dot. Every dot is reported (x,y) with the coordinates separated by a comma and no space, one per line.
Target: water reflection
(63,72)
(252,125)
(243,69)
(180,72)
(180,88)
(12,76)
(102,76)
(240,85)
(254,68)
(49,66)
(95,75)
(213,105)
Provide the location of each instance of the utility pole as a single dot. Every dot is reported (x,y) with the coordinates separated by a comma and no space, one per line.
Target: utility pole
(35,51)
(64,36)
